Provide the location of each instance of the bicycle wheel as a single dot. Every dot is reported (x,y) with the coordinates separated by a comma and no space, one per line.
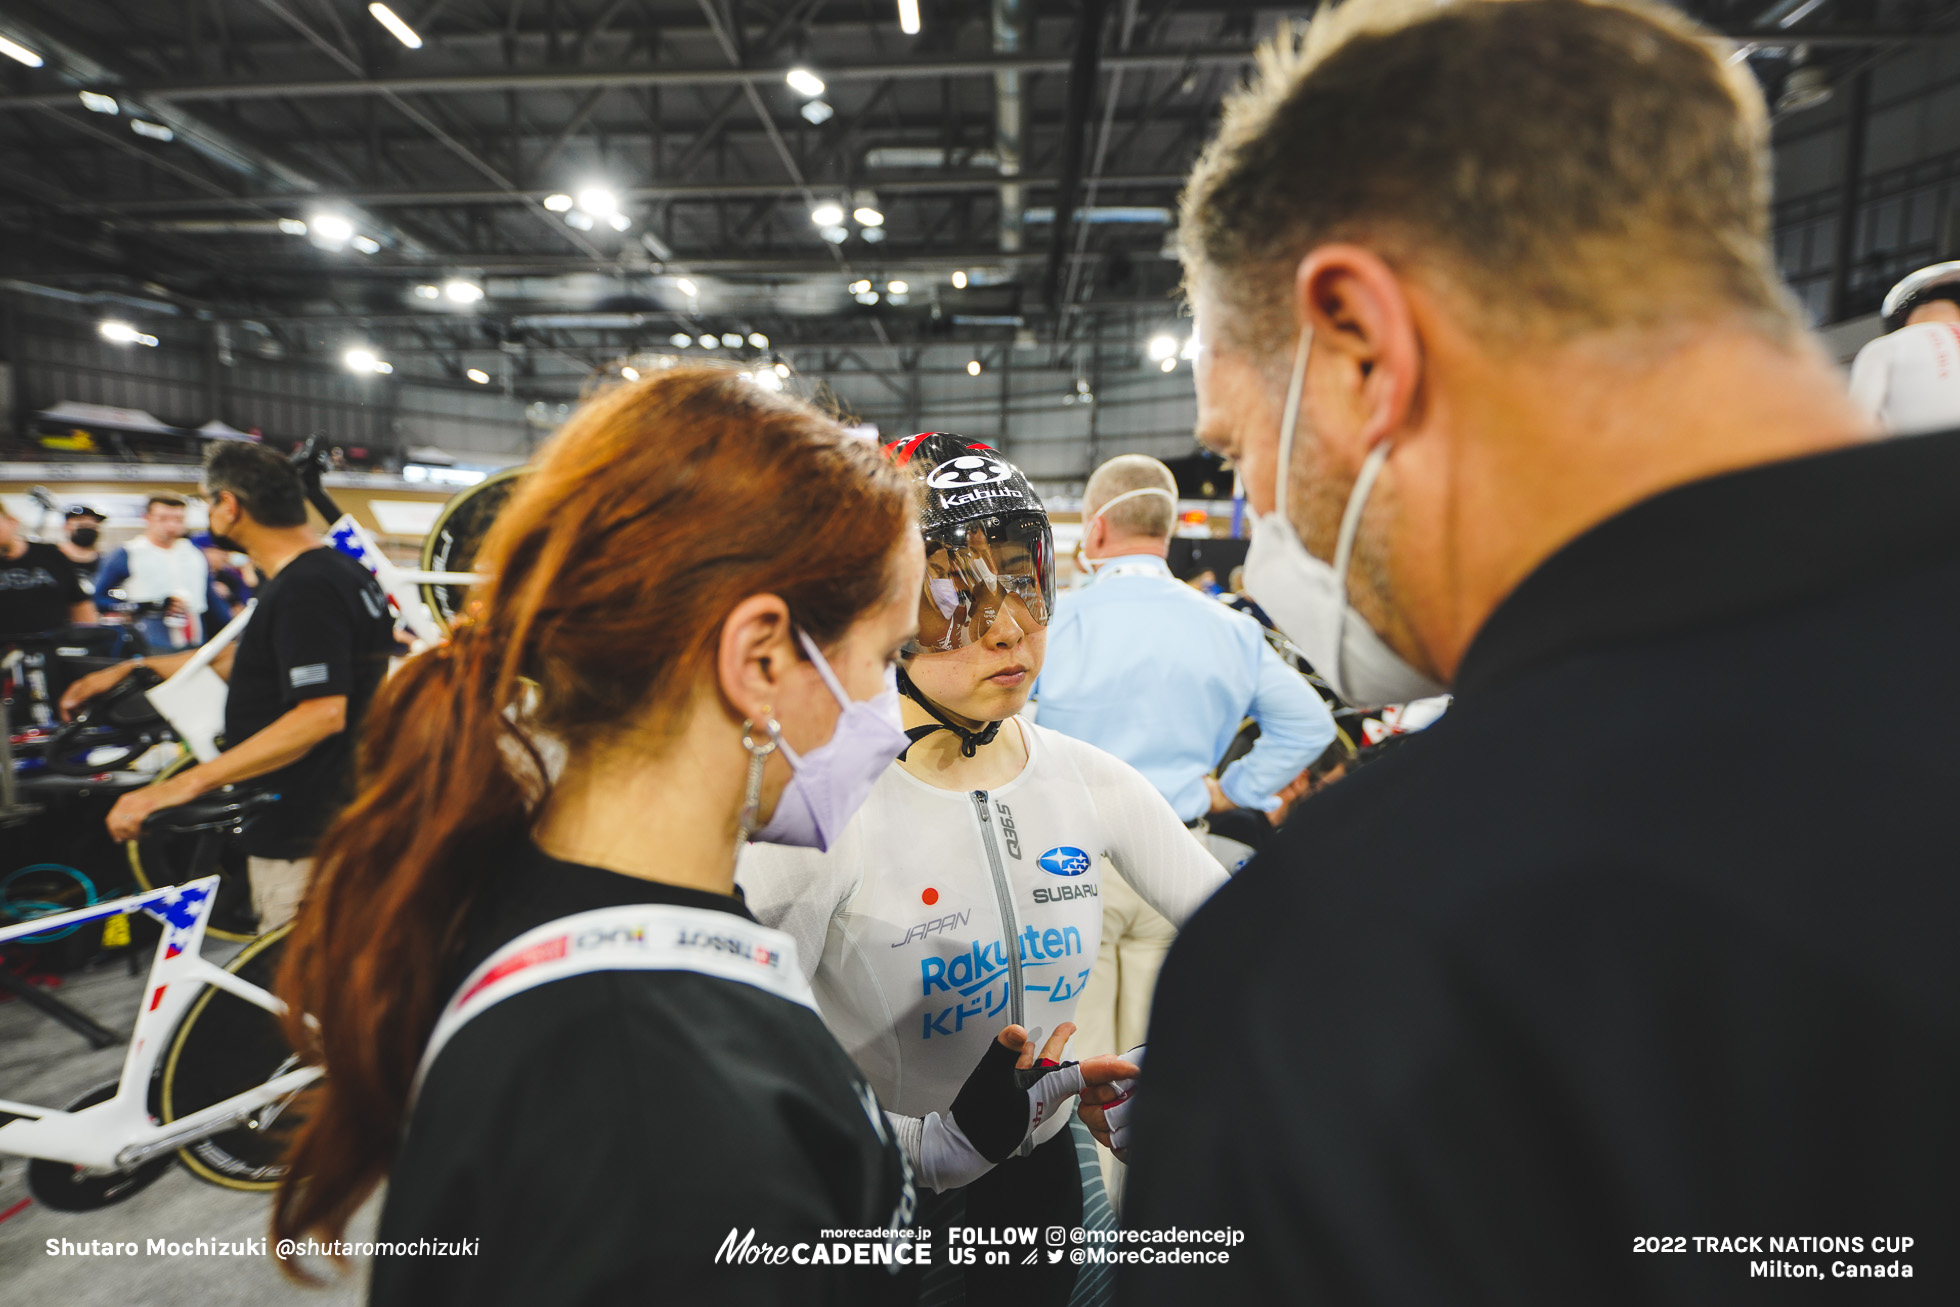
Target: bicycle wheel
(62,1187)
(452,543)
(166,860)
(224,1047)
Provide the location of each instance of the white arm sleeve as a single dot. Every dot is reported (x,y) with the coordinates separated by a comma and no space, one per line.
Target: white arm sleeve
(1151,848)
(798,891)
(940,1155)
(1871,377)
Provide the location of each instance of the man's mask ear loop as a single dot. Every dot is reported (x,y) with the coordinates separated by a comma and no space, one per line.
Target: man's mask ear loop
(1289,420)
(750,819)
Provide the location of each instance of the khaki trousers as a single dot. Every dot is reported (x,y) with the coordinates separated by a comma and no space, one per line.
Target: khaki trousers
(1114,1013)
(278,884)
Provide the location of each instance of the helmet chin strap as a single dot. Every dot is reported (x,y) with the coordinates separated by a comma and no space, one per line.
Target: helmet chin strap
(970,741)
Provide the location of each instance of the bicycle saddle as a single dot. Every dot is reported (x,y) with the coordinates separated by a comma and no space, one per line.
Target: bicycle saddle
(112,730)
(226,808)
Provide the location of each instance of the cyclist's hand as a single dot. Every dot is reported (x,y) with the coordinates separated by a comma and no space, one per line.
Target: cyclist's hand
(1105,1109)
(134,808)
(1219,803)
(91,685)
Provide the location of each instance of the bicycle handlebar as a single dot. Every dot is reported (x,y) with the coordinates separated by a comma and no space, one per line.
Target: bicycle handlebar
(311,460)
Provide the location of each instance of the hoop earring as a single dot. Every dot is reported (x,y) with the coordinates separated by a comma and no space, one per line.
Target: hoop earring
(758,755)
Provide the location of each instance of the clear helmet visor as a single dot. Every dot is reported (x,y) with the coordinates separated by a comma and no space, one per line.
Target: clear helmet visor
(975,568)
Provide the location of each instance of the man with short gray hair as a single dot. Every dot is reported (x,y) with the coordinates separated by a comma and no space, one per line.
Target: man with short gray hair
(1603,963)
(1163,677)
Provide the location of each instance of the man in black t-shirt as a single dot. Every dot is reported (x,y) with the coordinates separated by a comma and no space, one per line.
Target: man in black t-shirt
(39,590)
(301,675)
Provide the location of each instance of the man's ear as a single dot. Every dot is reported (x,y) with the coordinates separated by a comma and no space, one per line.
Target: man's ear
(754,656)
(1363,324)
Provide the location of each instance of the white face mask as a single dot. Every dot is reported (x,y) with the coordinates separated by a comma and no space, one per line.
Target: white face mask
(1307,598)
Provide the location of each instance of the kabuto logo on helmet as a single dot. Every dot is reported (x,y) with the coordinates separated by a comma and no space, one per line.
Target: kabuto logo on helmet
(969,470)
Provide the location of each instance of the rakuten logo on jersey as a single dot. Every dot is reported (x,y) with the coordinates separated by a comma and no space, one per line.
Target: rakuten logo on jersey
(938,925)
(980,984)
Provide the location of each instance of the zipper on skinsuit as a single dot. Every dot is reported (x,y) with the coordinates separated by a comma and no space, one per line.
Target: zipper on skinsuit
(1009,923)
(1004,894)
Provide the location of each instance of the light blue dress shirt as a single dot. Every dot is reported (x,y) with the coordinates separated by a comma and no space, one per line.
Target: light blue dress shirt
(1143,666)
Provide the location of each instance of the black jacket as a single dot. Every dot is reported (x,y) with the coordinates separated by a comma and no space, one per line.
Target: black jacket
(600,1136)
(1656,935)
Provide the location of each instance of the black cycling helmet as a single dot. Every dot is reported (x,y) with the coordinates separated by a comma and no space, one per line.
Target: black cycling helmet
(1938,281)
(987,541)
(987,538)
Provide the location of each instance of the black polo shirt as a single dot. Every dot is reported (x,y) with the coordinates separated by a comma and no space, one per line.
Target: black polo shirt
(322,628)
(37,591)
(1655,936)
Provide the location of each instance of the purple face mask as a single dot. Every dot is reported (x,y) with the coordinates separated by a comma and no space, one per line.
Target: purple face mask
(832,781)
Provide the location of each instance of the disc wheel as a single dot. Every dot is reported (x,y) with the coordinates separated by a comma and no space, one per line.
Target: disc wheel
(63,1187)
(166,860)
(452,543)
(224,1047)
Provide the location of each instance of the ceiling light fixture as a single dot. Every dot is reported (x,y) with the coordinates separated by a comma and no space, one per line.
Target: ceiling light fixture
(630,373)
(124,334)
(782,370)
(687,287)
(20,53)
(959,280)
(859,287)
(428,293)
(908,17)
(804,82)
(835,235)
(1162,347)
(598,201)
(827,214)
(873,234)
(366,244)
(732,339)
(331,228)
(479,376)
(154,131)
(558,203)
(361,359)
(396,27)
(96,102)
(817,112)
(680,340)
(897,287)
(292,226)
(1169,364)
(709,342)
(463,292)
(867,297)
(619,222)
(973,368)
(869,217)
(758,340)
(578,221)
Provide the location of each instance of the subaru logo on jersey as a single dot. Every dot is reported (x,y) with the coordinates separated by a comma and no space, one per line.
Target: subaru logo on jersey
(1064,861)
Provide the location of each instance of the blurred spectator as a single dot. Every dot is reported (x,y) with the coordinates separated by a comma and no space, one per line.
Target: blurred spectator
(39,589)
(81,541)
(163,572)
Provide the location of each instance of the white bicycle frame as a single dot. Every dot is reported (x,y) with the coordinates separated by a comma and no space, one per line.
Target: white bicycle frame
(402,584)
(118,1134)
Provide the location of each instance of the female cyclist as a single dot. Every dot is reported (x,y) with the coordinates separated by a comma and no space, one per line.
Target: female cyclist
(965,892)
(544,1015)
